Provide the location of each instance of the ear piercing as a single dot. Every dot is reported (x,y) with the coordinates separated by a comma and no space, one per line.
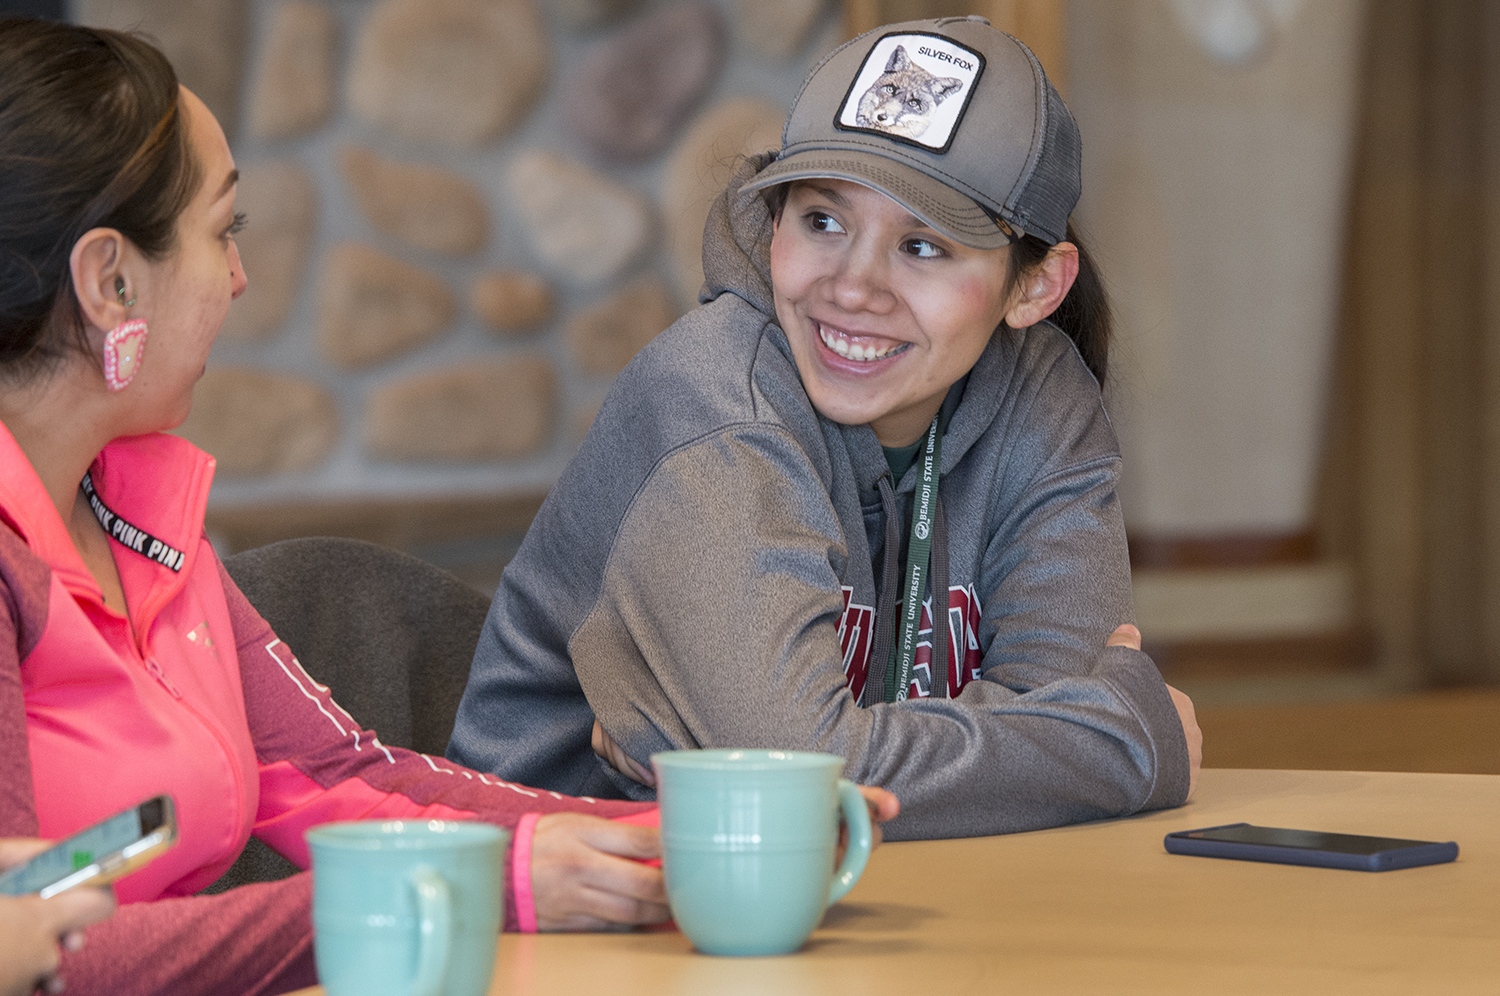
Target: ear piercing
(124,346)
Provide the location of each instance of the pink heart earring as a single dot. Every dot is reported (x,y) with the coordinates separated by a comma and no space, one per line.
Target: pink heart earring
(124,347)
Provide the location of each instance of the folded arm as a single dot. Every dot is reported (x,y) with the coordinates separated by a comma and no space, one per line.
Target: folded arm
(717,627)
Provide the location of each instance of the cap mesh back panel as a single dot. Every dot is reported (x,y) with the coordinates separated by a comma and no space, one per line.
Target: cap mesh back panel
(1058,178)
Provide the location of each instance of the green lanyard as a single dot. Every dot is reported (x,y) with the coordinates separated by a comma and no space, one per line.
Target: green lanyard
(918,552)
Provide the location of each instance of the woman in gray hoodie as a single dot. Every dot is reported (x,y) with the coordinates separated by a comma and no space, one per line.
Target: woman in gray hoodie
(887,410)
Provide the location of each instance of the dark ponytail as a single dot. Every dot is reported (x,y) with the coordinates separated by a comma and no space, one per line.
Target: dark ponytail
(90,136)
(1084,315)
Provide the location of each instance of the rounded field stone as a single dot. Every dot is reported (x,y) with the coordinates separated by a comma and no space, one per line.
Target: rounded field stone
(425,207)
(776,28)
(479,411)
(635,89)
(203,39)
(254,422)
(583,226)
(605,337)
(294,81)
(374,307)
(510,301)
(280,202)
(458,71)
(698,171)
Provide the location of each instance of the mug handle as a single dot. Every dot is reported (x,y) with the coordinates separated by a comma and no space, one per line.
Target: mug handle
(435,922)
(857,818)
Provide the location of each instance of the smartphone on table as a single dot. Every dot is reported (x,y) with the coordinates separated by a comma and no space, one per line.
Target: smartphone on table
(1310,847)
(108,850)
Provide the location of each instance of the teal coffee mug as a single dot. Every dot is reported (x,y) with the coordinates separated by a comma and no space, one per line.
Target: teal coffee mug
(748,840)
(406,907)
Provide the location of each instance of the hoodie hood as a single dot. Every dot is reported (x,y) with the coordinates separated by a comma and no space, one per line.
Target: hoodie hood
(737,241)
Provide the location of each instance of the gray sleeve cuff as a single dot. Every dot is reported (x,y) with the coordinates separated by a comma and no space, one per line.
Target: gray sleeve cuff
(1134,675)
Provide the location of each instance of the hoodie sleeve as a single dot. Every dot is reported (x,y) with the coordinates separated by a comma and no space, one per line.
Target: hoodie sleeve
(716,627)
(1059,586)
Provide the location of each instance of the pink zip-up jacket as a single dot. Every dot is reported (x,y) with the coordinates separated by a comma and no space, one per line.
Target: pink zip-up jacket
(193,696)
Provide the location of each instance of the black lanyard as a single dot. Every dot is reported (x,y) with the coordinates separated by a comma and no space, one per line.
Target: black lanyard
(918,554)
(131,536)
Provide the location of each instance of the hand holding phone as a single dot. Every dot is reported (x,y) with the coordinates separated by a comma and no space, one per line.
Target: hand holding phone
(31,928)
(108,850)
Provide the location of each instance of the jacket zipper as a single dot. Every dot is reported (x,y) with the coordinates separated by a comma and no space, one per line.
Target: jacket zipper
(226,750)
(155,668)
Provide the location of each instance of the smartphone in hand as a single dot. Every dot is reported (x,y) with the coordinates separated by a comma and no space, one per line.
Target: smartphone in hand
(108,850)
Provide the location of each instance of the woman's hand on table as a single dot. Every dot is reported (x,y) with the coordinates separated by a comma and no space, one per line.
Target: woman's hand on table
(1128,636)
(31,928)
(586,874)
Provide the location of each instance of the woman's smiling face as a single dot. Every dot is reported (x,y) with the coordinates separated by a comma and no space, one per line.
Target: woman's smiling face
(883,313)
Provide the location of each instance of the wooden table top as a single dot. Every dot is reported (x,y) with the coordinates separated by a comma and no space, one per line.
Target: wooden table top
(1104,908)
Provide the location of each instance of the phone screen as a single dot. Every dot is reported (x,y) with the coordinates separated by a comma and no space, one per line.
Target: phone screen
(1306,840)
(83,849)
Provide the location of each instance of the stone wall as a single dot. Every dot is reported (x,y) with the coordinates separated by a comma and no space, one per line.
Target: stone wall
(465,216)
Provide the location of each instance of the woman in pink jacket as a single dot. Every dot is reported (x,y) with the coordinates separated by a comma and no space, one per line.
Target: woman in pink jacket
(130,664)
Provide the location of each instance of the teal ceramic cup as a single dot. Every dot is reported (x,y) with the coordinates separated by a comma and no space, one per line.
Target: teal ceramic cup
(748,840)
(406,907)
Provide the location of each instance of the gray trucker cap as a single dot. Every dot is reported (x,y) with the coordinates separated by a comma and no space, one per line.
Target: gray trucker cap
(950,118)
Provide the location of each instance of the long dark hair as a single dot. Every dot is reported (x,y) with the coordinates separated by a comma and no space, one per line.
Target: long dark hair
(90,136)
(1084,315)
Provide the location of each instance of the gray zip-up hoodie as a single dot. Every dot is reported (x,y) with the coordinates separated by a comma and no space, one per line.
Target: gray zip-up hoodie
(690,582)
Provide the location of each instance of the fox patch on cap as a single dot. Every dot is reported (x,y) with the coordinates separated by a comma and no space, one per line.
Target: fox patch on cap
(913,87)
(950,118)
